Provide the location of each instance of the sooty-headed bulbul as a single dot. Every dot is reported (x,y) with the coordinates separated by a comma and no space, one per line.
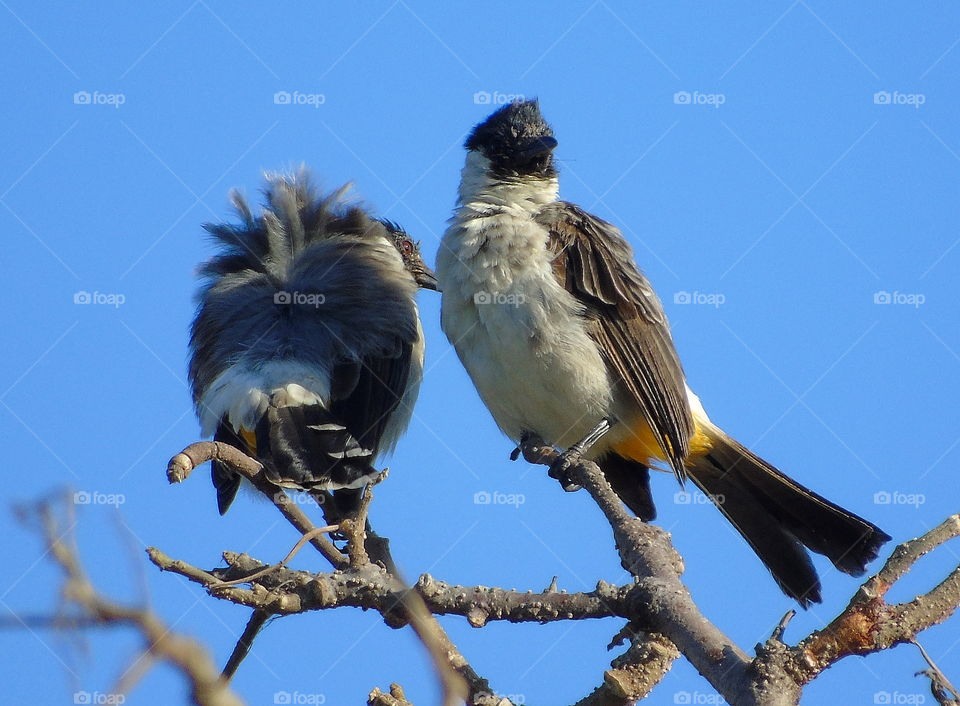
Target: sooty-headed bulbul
(306,349)
(564,338)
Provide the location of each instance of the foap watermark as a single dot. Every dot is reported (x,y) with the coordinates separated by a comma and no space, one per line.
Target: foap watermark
(95,497)
(898,697)
(299,498)
(698,98)
(298,697)
(714,299)
(697,697)
(299,298)
(899,98)
(98,697)
(99,98)
(685,497)
(914,299)
(485,497)
(99,298)
(496,98)
(484,298)
(518,699)
(896,497)
(298,98)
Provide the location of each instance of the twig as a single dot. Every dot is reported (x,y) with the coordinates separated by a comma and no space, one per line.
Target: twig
(868,623)
(939,684)
(283,562)
(257,620)
(184,463)
(186,655)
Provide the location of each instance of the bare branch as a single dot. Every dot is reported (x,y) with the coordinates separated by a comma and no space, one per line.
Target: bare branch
(184,463)
(868,623)
(635,673)
(660,602)
(185,654)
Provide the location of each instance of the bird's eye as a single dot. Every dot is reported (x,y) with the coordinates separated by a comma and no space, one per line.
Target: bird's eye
(406,245)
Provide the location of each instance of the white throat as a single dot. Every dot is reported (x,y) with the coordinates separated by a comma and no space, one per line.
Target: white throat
(479,191)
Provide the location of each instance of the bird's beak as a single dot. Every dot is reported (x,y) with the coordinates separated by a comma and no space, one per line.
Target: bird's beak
(426,279)
(536,147)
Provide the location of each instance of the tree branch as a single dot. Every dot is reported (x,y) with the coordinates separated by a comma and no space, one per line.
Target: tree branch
(186,655)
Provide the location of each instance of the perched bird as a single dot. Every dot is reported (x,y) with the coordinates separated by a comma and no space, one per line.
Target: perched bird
(306,350)
(565,338)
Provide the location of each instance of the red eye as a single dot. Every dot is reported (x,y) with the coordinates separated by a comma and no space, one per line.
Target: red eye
(407,246)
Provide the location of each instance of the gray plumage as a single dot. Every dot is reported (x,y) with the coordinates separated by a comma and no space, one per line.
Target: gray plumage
(307,337)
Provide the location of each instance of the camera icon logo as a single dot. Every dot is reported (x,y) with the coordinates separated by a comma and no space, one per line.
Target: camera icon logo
(282,98)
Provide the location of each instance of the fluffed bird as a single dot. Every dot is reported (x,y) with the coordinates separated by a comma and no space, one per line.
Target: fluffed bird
(565,338)
(306,349)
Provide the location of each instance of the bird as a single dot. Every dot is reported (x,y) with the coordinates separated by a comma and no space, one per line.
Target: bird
(306,351)
(564,338)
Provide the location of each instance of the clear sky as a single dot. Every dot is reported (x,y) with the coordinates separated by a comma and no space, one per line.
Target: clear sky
(786,172)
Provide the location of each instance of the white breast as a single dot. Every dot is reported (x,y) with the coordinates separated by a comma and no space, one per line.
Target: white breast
(516,330)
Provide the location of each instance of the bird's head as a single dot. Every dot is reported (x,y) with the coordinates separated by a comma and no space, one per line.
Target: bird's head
(516,140)
(410,252)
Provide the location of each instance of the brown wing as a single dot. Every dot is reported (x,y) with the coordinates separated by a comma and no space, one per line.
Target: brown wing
(595,264)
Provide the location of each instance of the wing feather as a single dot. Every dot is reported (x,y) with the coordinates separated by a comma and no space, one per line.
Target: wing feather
(595,264)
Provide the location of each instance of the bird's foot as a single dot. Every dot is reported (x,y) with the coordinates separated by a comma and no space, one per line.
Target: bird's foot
(560,469)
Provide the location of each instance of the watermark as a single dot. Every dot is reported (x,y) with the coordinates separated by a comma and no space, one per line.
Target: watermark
(100,298)
(299,498)
(298,98)
(298,697)
(299,298)
(714,299)
(697,697)
(483,298)
(898,98)
(896,497)
(98,697)
(898,697)
(518,699)
(685,497)
(900,298)
(483,497)
(95,497)
(98,98)
(698,98)
(496,98)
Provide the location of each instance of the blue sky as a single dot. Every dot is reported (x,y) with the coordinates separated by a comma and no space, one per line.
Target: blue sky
(786,172)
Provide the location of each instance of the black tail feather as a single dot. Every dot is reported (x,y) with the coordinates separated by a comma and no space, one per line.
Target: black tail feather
(779,517)
(300,446)
(226,482)
(631,481)
(307,447)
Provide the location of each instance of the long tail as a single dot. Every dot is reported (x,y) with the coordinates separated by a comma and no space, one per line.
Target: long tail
(779,517)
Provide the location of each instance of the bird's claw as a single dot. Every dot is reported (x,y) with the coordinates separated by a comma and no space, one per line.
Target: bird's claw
(560,469)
